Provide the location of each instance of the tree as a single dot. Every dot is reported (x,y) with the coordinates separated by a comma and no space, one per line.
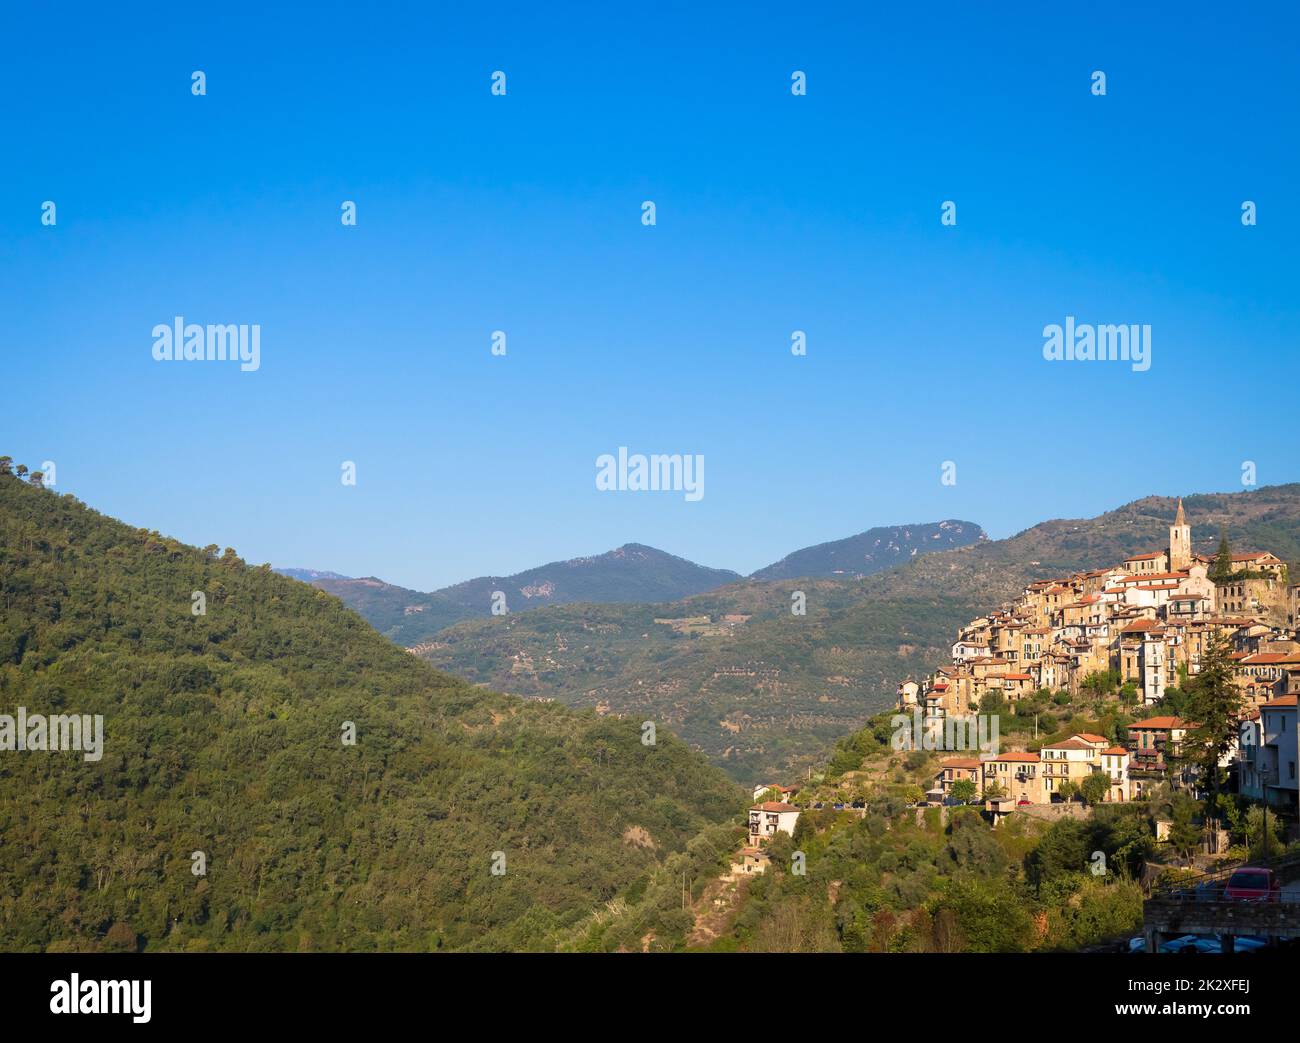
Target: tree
(6,465)
(994,791)
(1068,790)
(37,479)
(1094,788)
(1222,567)
(1184,833)
(963,790)
(21,470)
(121,938)
(1260,843)
(1212,705)
(1099,682)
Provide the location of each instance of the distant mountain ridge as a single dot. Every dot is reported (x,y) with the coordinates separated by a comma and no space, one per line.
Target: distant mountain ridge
(310,575)
(631,574)
(871,551)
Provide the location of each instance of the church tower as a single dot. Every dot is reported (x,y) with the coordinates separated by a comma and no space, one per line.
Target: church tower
(1180,541)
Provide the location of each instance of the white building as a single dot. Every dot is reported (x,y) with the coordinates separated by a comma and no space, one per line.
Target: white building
(768,819)
(1276,756)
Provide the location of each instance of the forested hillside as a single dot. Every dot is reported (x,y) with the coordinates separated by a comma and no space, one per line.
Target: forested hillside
(224,750)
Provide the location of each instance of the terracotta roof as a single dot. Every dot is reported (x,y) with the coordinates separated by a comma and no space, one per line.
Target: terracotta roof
(1146,557)
(1115,751)
(773,805)
(1281,703)
(961,762)
(1160,722)
(1014,755)
(1089,737)
(1141,625)
(1068,744)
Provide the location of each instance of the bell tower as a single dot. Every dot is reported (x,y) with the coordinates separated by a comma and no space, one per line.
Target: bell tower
(1180,541)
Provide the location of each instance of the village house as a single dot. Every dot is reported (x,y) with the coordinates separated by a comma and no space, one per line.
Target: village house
(1262,676)
(787,792)
(1069,761)
(768,819)
(1015,774)
(1275,759)
(1152,742)
(1114,762)
(753,860)
(955,770)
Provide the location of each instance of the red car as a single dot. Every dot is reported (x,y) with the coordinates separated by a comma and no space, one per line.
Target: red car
(1253,884)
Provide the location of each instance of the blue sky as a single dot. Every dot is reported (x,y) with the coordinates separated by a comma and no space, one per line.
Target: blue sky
(522,213)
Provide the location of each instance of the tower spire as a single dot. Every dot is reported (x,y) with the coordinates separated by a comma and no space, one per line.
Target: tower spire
(1180,542)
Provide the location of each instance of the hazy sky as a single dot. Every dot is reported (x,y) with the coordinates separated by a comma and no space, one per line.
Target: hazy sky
(522,213)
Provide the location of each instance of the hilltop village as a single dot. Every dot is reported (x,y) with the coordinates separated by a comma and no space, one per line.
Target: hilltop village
(1136,629)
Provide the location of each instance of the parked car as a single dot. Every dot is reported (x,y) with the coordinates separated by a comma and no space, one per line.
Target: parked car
(1023,801)
(1206,891)
(1192,943)
(1253,884)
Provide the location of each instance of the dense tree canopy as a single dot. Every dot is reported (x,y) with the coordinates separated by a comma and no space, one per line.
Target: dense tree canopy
(225,719)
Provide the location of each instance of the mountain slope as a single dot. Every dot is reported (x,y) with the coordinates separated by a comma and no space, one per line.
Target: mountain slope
(401,615)
(872,551)
(769,693)
(223,735)
(310,575)
(631,573)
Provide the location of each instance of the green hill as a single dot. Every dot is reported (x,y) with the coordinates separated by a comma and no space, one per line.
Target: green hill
(223,735)
(770,694)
